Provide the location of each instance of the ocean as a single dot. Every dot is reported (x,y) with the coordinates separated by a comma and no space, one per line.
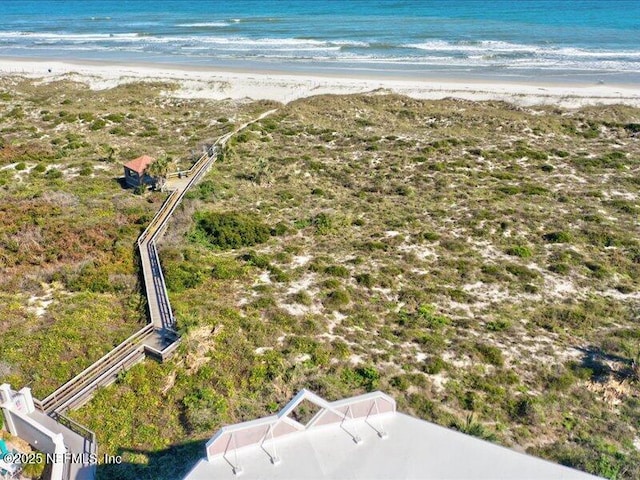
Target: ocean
(586,41)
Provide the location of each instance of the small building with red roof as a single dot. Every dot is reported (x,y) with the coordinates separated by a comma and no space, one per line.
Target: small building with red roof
(135,171)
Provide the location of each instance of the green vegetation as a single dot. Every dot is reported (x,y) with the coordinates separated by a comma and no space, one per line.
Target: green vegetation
(477,261)
(230,230)
(68,267)
(464,301)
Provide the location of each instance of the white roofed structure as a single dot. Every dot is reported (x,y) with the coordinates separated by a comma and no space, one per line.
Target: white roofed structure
(361,437)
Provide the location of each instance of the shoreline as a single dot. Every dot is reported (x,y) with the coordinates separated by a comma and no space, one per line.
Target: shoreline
(241,84)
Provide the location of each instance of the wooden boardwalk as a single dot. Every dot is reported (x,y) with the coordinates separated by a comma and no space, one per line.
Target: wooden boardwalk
(158,339)
(159,307)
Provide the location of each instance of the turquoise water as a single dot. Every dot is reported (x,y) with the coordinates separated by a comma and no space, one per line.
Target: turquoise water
(553,40)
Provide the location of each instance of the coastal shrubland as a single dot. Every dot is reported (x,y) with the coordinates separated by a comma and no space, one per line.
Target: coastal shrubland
(478,261)
(476,256)
(68,267)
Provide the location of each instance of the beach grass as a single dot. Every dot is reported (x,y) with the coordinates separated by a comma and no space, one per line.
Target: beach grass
(468,258)
(476,260)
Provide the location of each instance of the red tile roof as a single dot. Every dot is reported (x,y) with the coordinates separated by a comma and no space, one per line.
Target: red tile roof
(140,164)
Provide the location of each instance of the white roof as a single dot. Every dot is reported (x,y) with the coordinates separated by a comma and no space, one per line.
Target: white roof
(391,446)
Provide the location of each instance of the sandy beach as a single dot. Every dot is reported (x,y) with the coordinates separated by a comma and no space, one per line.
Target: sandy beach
(195,82)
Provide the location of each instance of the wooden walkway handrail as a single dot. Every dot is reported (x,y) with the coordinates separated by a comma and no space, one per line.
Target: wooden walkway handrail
(79,396)
(155,284)
(189,172)
(104,371)
(83,376)
(156,218)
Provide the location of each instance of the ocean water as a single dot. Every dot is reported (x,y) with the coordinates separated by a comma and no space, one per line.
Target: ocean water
(591,41)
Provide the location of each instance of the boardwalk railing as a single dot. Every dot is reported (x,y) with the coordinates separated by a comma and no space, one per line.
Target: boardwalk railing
(91,376)
(105,371)
(155,285)
(187,173)
(159,286)
(157,219)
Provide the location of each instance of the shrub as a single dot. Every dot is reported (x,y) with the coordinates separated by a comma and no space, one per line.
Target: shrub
(280,229)
(490,354)
(182,276)
(557,237)
(434,365)
(230,230)
(365,279)
(471,427)
(624,206)
(257,260)
(624,288)
(116,117)
(559,268)
(337,271)
(434,342)
(226,269)
(86,116)
(430,318)
(278,274)
(53,174)
(423,317)
(204,408)
(367,377)
(16,112)
(519,251)
(498,325)
(35,467)
(403,190)
(524,410)
(521,272)
(302,223)
(203,191)
(86,170)
(509,189)
(611,160)
(374,245)
(97,124)
(427,236)
(336,299)
(453,245)
(400,382)
(323,223)
(597,270)
(331,283)
(302,297)
(119,131)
